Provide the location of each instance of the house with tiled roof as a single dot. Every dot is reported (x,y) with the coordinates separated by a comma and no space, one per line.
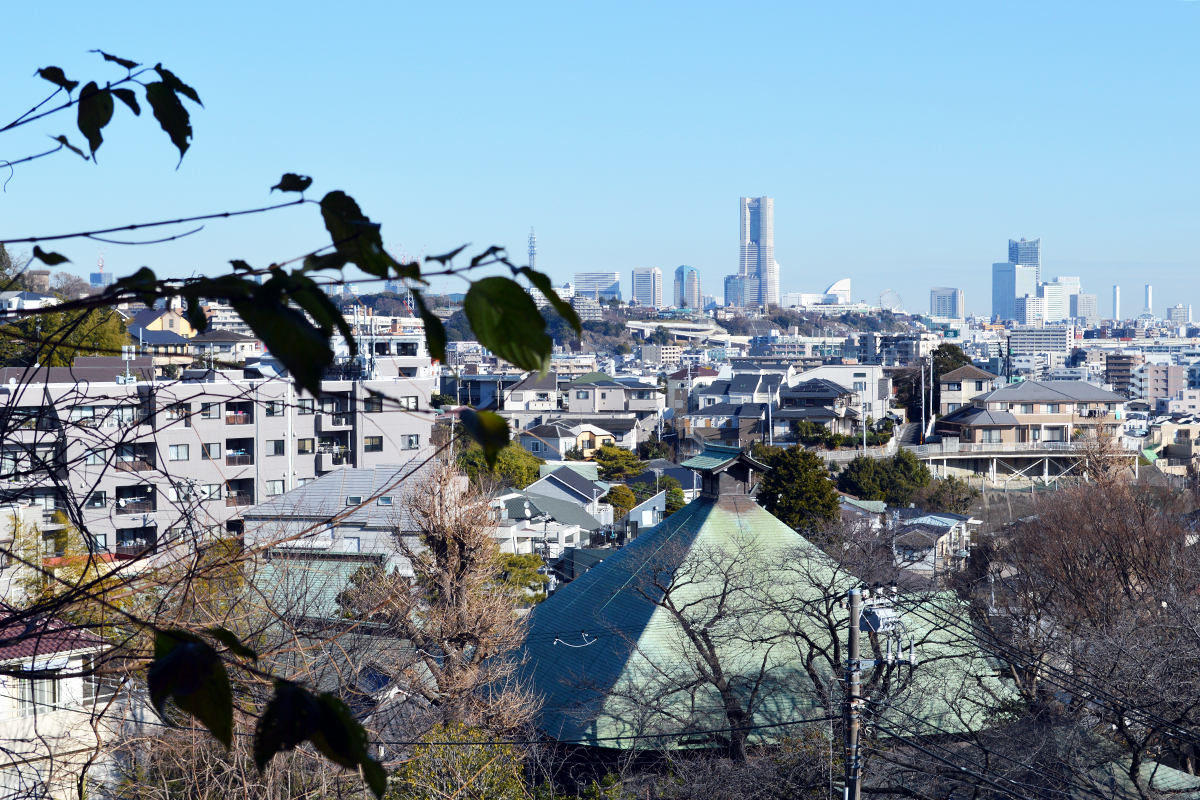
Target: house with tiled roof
(959,387)
(1036,411)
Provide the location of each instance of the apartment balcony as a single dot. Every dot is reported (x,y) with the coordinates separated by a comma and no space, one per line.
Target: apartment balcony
(133,550)
(238,418)
(329,423)
(136,465)
(239,460)
(326,462)
(239,499)
(135,507)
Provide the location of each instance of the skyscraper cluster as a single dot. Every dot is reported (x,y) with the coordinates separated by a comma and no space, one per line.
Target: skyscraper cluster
(1020,294)
(757,279)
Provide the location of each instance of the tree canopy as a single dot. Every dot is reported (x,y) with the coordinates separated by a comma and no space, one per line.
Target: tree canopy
(514,465)
(797,489)
(617,463)
(894,480)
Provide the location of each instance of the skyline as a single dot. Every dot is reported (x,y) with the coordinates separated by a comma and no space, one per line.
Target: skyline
(882,140)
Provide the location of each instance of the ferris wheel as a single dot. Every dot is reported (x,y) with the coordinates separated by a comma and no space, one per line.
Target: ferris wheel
(890,301)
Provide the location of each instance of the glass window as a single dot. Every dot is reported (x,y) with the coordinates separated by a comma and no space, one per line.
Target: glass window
(304,446)
(408,403)
(210,410)
(410,441)
(96,500)
(373,444)
(386,500)
(373,405)
(177,452)
(97,689)
(210,451)
(1026,408)
(180,411)
(276,447)
(305,481)
(1052,408)
(354,500)
(306,406)
(94,458)
(582,395)
(274,488)
(979,386)
(211,491)
(274,408)
(36,696)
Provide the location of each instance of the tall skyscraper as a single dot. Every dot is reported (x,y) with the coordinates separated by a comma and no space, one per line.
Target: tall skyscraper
(1010,281)
(532,250)
(647,287)
(1116,304)
(1057,305)
(735,291)
(598,285)
(1149,309)
(946,302)
(757,263)
(1027,254)
(687,288)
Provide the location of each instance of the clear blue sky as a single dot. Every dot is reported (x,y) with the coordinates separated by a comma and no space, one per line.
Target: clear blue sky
(904,143)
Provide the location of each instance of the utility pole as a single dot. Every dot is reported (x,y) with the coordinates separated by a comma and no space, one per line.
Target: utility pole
(922,439)
(852,705)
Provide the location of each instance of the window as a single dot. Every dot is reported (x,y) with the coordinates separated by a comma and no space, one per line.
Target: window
(351,544)
(276,447)
(410,441)
(180,411)
(582,395)
(99,542)
(1026,408)
(94,458)
(354,500)
(860,374)
(535,446)
(97,500)
(990,436)
(543,397)
(860,386)
(953,387)
(386,500)
(211,491)
(306,406)
(1052,408)
(274,408)
(274,488)
(604,395)
(953,406)
(177,452)
(408,403)
(373,405)
(330,405)
(373,444)
(36,696)
(210,451)
(98,689)
(305,481)
(304,446)
(210,410)
(979,386)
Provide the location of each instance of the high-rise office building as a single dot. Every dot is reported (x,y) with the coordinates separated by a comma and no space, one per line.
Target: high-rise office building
(946,302)
(1085,307)
(757,264)
(1010,281)
(1027,254)
(1056,306)
(687,288)
(1116,304)
(1179,314)
(735,291)
(1149,309)
(598,285)
(647,287)
(1029,310)
(1072,284)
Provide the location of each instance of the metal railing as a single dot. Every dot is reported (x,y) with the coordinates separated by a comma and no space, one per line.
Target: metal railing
(131,550)
(1008,447)
(239,461)
(239,499)
(238,418)
(135,507)
(136,465)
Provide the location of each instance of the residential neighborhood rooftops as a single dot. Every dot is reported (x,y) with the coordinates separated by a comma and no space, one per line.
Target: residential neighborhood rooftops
(535,382)
(1051,392)
(694,372)
(967,373)
(973,415)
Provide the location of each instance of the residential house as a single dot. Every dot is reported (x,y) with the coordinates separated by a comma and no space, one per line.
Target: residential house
(934,544)
(25,301)
(862,515)
(959,387)
(658,468)
(166,348)
(597,393)
(533,523)
(530,400)
(870,382)
(171,320)
(734,425)
(739,389)
(227,346)
(1034,411)
(567,484)
(549,441)
(682,386)
(821,402)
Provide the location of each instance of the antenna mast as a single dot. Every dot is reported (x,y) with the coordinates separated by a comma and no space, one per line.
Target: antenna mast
(532,250)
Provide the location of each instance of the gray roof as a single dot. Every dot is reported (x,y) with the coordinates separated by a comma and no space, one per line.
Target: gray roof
(742,410)
(139,334)
(536,382)
(804,412)
(972,415)
(620,425)
(563,511)
(1050,392)
(967,373)
(572,480)
(219,335)
(326,497)
(553,431)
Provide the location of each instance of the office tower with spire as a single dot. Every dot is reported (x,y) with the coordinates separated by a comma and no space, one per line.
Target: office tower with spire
(647,287)
(1027,254)
(757,264)
(687,288)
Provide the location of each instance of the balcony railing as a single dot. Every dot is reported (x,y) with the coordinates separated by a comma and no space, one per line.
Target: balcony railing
(239,499)
(136,465)
(238,418)
(135,507)
(239,460)
(133,550)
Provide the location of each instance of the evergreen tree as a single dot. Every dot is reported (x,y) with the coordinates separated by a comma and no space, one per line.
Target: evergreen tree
(798,491)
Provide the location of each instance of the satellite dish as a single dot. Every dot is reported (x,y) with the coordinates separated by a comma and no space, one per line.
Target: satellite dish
(890,301)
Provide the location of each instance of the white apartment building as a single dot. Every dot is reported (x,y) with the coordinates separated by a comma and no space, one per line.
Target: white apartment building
(141,462)
(1026,340)
(1029,310)
(667,355)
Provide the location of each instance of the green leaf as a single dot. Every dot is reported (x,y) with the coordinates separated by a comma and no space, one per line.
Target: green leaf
(506,321)
(227,638)
(143,283)
(290,337)
(487,428)
(56,76)
(355,236)
(63,141)
(435,331)
(177,85)
(295,714)
(171,114)
(334,260)
(564,309)
(127,97)
(195,315)
(189,672)
(124,62)
(291,182)
(446,258)
(52,259)
(309,296)
(95,111)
